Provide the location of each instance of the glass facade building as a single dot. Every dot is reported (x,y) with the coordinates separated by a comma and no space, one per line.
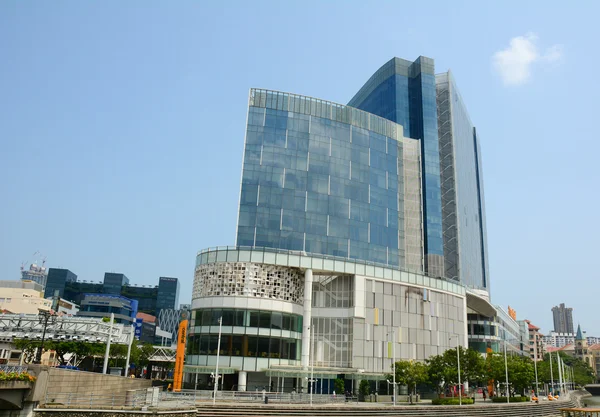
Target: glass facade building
(113,282)
(465,241)
(57,280)
(168,294)
(150,299)
(405,92)
(361,231)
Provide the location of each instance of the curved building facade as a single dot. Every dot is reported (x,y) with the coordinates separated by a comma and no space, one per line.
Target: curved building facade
(329,179)
(284,312)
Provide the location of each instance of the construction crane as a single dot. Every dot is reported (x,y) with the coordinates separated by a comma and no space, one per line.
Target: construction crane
(24,264)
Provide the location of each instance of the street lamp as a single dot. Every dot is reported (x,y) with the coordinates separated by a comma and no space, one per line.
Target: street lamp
(458,362)
(551,376)
(506,371)
(393,365)
(44,316)
(312,364)
(535,361)
(216,383)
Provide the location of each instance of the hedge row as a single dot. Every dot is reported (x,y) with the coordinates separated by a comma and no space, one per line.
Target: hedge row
(512,399)
(451,401)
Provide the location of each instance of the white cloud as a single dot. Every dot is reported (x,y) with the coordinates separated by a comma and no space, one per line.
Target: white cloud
(514,63)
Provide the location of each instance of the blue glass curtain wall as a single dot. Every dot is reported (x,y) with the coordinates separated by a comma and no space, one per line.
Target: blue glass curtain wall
(318,185)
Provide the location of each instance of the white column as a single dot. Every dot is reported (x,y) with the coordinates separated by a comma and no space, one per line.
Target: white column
(242,378)
(131,336)
(110,328)
(307,317)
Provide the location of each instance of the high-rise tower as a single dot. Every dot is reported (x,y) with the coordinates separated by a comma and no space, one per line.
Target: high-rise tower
(563,319)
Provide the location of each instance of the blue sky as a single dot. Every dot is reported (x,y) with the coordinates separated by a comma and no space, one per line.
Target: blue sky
(122,125)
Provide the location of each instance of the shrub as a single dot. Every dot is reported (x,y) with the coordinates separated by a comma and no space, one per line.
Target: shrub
(451,401)
(512,399)
(364,388)
(15,376)
(338,385)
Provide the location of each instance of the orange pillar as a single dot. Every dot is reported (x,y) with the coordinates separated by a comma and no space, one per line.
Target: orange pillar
(180,356)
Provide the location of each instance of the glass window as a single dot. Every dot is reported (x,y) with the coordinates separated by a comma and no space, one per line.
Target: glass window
(239,318)
(254,318)
(251,344)
(265,319)
(286,322)
(216,315)
(206,318)
(203,350)
(276,320)
(236,345)
(263,347)
(213,340)
(228,317)
(275,348)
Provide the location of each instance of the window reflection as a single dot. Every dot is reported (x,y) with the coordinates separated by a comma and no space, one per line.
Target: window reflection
(248,318)
(244,345)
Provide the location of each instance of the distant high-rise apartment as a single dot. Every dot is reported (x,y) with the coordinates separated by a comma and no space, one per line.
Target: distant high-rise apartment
(36,273)
(563,319)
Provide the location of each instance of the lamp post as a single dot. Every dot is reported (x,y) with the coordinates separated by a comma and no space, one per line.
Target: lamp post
(216,386)
(458,365)
(44,316)
(393,366)
(535,359)
(312,365)
(506,371)
(551,375)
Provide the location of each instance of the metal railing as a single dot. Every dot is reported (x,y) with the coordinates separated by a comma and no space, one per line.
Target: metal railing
(13,368)
(193,396)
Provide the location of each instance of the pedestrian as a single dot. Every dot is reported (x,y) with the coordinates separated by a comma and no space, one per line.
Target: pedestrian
(484,395)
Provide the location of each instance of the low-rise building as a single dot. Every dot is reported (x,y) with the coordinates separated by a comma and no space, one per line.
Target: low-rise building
(22,297)
(557,340)
(102,305)
(534,342)
(65,307)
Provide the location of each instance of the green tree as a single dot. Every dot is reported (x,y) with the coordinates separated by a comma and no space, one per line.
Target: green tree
(364,389)
(583,373)
(63,349)
(410,373)
(117,354)
(440,372)
(443,369)
(338,385)
(521,373)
